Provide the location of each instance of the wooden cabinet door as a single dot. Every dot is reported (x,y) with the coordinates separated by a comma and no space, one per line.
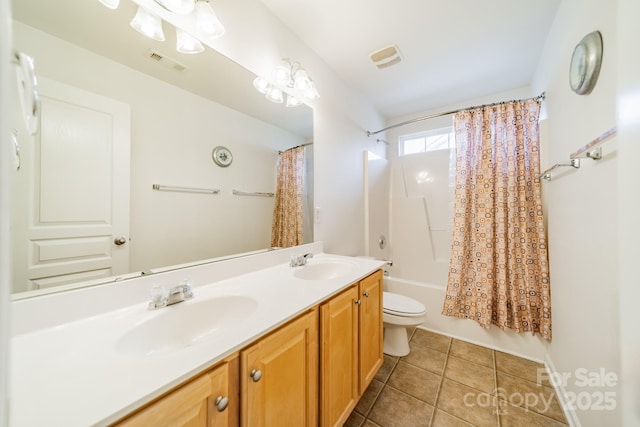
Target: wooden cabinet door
(224,401)
(279,377)
(339,358)
(370,328)
(184,407)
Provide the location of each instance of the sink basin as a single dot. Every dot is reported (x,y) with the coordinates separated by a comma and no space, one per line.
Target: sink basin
(324,270)
(185,324)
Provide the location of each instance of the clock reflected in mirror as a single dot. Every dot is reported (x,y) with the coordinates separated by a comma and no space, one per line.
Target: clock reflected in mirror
(222,156)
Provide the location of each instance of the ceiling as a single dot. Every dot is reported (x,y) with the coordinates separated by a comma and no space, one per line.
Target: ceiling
(452,50)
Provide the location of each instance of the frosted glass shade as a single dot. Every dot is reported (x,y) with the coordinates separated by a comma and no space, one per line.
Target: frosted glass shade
(111,4)
(261,85)
(186,43)
(292,101)
(207,23)
(275,95)
(148,24)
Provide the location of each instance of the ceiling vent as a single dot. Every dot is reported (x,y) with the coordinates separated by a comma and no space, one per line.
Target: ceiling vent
(386,57)
(165,61)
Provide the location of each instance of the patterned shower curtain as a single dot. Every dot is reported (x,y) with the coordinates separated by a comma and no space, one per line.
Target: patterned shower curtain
(498,272)
(287,214)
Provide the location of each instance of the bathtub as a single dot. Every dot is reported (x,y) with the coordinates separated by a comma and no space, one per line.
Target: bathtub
(432,297)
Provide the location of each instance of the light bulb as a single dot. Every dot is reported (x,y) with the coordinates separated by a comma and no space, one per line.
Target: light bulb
(148,24)
(292,101)
(282,73)
(261,84)
(207,23)
(186,43)
(275,95)
(301,80)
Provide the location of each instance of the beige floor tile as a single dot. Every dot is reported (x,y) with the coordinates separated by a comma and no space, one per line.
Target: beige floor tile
(529,395)
(513,416)
(431,340)
(522,368)
(369,423)
(396,409)
(468,404)
(416,382)
(369,397)
(388,364)
(470,374)
(475,353)
(426,358)
(442,419)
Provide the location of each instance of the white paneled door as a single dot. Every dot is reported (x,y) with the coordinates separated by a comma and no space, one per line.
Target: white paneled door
(73,185)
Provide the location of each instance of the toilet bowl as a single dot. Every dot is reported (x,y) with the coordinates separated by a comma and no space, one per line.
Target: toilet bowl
(398,313)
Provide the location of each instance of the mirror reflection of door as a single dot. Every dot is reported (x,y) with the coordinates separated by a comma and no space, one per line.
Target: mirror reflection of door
(74,185)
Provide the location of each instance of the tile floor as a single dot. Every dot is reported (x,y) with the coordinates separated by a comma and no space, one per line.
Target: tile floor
(448,382)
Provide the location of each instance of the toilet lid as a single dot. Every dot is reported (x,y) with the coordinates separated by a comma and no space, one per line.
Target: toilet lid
(396,303)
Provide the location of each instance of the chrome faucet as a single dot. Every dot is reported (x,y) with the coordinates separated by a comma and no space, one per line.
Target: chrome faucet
(161,298)
(299,260)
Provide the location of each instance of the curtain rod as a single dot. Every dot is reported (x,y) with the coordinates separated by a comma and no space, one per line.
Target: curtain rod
(297,146)
(432,116)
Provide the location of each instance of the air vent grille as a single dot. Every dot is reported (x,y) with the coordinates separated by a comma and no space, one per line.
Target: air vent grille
(165,61)
(386,57)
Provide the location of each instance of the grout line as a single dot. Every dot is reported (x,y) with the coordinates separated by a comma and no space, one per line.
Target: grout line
(495,382)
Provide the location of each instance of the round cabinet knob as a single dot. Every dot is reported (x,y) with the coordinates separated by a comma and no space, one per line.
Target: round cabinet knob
(366,294)
(358,301)
(256,375)
(120,241)
(222,403)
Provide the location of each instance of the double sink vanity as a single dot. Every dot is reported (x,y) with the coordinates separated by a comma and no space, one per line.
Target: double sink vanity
(260,343)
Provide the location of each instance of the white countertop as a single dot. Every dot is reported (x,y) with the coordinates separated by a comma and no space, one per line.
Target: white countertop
(73,374)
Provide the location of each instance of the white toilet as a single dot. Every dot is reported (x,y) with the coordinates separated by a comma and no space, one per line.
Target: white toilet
(398,313)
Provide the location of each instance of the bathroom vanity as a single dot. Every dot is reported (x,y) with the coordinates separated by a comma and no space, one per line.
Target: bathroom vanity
(266,344)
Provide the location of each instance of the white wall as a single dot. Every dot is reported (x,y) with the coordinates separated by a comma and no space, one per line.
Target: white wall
(628,106)
(6,72)
(172,147)
(581,209)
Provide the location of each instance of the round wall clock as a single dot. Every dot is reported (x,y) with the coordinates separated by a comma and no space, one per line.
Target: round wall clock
(585,63)
(222,156)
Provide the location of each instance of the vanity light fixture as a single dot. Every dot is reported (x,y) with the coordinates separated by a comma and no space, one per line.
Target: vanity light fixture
(292,75)
(148,24)
(186,43)
(289,75)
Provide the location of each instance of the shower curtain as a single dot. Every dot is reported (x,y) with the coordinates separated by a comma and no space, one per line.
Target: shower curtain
(498,272)
(287,224)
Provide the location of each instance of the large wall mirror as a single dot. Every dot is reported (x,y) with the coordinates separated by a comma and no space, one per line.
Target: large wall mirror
(89,213)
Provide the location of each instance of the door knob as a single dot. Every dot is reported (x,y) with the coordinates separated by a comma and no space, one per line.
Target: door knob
(120,241)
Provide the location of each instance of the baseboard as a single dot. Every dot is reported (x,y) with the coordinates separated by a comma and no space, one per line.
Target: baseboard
(483,344)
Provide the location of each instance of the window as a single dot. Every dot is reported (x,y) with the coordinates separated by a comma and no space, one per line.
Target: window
(437,139)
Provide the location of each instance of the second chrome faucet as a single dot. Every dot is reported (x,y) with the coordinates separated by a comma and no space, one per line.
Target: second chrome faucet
(298,260)
(160,297)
